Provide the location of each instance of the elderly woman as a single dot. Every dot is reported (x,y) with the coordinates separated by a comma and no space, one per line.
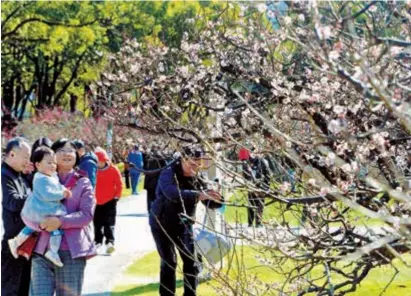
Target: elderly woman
(77,243)
(172,214)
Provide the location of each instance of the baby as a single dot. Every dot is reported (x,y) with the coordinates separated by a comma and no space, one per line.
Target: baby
(45,201)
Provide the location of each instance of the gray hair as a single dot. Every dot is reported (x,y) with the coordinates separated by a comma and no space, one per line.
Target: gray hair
(15,143)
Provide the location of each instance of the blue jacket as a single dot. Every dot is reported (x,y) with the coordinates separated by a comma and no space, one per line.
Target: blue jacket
(45,199)
(170,197)
(135,158)
(14,194)
(88,164)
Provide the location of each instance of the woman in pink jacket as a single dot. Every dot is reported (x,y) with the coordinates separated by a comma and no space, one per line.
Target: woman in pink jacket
(78,239)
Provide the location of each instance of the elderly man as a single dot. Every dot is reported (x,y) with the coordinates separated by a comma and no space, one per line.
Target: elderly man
(15,273)
(178,191)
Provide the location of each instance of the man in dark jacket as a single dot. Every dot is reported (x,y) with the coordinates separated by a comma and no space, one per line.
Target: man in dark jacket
(171,218)
(153,162)
(256,169)
(87,161)
(15,273)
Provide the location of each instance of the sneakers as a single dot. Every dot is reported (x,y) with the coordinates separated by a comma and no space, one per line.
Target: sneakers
(13,247)
(110,248)
(54,257)
(99,249)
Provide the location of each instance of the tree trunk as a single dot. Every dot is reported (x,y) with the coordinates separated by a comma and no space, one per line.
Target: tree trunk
(8,96)
(67,85)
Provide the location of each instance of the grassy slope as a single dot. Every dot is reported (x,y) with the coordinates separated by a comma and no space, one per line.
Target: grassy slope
(274,213)
(148,267)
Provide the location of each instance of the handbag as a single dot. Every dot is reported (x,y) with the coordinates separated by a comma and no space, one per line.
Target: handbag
(211,245)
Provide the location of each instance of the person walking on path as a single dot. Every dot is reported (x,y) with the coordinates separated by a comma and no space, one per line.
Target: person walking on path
(126,167)
(172,217)
(87,161)
(108,192)
(256,169)
(77,243)
(44,202)
(15,273)
(155,161)
(135,160)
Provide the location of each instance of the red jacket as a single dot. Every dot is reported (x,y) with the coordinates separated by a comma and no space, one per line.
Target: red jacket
(244,154)
(109,184)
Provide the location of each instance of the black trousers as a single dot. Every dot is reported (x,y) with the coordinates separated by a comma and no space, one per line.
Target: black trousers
(105,221)
(166,246)
(255,213)
(127,178)
(15,273)
(151,196)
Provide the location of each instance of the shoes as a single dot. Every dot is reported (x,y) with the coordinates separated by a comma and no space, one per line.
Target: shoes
(54,257)
(13,247)
(259,225)
(110,248)
(99,249)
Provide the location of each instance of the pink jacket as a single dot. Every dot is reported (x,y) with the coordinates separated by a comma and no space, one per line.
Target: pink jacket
(77,223)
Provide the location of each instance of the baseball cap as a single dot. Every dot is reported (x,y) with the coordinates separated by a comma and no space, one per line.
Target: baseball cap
(79,144)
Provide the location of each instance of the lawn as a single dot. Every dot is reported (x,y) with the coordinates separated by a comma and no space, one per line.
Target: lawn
(277,213)
(127,191)
(147,268)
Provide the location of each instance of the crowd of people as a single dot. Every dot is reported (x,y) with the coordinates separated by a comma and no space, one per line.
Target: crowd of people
(60,204)
(54,194)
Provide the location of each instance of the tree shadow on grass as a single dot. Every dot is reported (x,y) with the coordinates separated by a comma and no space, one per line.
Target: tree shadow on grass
(141,290)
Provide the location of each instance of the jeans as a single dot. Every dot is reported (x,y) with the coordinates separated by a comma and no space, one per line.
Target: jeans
(166,247)
(46,278)
(105,221)
(134,176)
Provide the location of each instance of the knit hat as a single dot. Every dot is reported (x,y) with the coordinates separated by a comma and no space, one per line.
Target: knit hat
(102,155)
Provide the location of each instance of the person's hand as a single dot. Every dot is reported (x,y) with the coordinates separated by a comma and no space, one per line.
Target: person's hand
(50,224)
(29,168)
(67,193)
(210,194)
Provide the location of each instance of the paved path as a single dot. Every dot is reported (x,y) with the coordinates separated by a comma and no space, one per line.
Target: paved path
(133,240)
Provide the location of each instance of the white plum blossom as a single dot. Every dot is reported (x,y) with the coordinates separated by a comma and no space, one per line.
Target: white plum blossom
(324,32)
(288,21)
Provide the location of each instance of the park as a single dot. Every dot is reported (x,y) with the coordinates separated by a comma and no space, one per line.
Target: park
(284,125)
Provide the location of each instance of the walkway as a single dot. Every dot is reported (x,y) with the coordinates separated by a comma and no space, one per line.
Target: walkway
(133,240)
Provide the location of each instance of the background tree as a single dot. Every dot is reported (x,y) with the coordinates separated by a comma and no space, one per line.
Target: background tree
(327,90)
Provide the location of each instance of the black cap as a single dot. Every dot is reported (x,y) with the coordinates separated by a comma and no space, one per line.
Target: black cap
(192,152)
(79,144)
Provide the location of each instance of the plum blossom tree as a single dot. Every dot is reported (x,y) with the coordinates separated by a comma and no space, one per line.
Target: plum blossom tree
(327,90)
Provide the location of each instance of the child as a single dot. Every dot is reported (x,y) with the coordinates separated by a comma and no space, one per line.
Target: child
(43,202)
(108,191)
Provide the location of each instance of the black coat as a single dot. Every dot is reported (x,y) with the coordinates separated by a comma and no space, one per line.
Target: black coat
(15,192)
(176,194)
(257,170)
(153,161)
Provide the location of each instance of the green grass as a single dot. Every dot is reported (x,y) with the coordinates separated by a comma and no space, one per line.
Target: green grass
(148,267)
(127,191)
(278,213)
